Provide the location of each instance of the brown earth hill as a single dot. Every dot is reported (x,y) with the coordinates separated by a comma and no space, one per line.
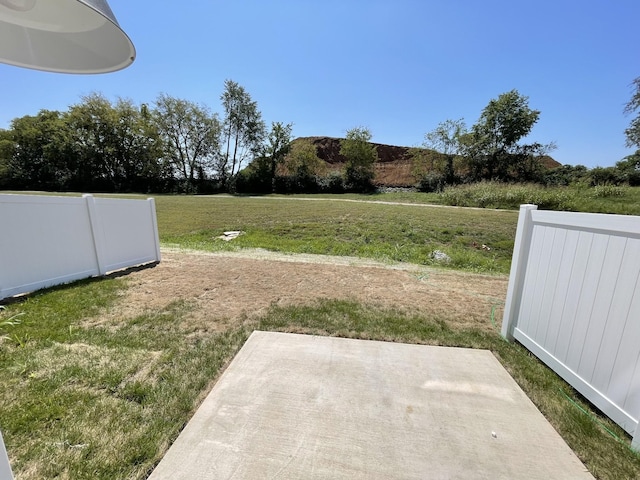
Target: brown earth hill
(393,168)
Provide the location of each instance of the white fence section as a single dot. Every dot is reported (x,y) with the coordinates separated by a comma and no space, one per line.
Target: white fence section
(5,468)
(46,241)
(574,301)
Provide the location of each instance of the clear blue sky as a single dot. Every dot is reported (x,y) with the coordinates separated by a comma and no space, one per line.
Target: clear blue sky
(397,67)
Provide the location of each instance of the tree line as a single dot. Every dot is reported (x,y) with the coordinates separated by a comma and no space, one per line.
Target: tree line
(176,145)
(492,149)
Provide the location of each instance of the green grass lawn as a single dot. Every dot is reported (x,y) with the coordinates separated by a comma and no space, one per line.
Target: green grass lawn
(325,226)
(101,400)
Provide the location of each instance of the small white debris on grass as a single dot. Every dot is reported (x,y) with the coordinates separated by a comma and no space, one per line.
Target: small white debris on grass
(226,236)
(440,256)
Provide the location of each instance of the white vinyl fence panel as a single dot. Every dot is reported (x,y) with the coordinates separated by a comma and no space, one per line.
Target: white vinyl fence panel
(5,468)
(47,240)
(574,301)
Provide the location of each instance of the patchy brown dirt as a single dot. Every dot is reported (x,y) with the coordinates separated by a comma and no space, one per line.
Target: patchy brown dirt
(225,288)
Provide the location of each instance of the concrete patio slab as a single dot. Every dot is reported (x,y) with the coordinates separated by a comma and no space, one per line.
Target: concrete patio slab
(299,406)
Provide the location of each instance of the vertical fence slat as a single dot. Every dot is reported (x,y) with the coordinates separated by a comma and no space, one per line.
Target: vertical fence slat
(537,321)
(564,280)
(627,363)
(535,264)
(607,322)
(570,313)
(578,354)
(553,258)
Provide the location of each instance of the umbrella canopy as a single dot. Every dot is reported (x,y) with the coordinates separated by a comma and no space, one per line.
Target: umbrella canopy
(66,36)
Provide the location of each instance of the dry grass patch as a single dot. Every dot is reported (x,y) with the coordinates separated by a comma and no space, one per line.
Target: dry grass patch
(223,288)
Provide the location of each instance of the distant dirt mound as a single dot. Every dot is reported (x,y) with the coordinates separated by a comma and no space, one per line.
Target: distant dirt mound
(393,168)
(328,149)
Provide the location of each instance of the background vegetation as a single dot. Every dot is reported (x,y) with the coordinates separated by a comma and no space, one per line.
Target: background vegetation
(176,145)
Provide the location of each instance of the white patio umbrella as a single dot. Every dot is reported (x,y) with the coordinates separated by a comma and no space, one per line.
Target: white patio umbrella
(65,36)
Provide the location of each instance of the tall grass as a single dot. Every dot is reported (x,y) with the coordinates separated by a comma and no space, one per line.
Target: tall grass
(599,199)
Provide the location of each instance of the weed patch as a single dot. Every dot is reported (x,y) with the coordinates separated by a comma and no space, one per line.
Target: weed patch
(599,199)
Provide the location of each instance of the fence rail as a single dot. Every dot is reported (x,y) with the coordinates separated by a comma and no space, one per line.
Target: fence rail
(48,240)
(574,301)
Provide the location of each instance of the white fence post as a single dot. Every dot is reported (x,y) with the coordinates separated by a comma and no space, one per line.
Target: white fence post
(518,268)
(96,232)
(5,467)
(154,221)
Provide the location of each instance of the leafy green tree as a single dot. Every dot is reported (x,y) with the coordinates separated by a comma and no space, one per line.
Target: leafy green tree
(278,146)
(297,173)
(492,146)
(303,161)
(254,178)
(38,152)
(629,168)
(633,131)
(117,145)
(190,134)
(446,139)
(565,175)
(606,176)
(141,147)
(526,161)
(92,124)
(242,129)
(7,150)
(360,156)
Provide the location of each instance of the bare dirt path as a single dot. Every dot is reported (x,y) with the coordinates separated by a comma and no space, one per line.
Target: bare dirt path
(225,287)
(352,200)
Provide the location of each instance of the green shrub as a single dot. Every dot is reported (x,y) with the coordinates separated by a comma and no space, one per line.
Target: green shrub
(251,181)
(606,176)
(634,179)
(432,182)
(565,175)
(296,184)
(331,183)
